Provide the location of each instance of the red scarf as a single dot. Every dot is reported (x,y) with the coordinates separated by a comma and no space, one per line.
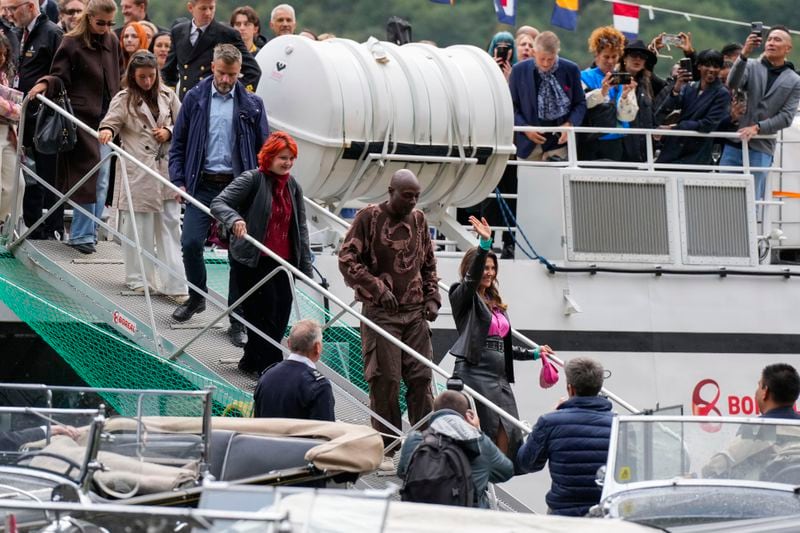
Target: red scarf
(280,218)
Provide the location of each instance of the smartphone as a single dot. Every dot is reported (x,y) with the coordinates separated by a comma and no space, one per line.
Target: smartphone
(672,39)
(620,78)
(503,52)
(686,64)
(757,28)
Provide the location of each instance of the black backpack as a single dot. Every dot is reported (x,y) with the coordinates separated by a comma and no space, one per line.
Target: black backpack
(439,472)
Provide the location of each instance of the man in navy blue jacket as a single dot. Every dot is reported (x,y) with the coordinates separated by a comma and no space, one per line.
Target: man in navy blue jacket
(777,391)
(217,136)
(546,91)
(574,438)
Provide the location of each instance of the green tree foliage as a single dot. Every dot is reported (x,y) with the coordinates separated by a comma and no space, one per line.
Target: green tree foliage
(474,21)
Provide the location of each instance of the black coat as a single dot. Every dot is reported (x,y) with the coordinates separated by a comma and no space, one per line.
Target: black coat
(249,197)
(699,112)
(35,61)
(473,318)
(10,441)
(189,64)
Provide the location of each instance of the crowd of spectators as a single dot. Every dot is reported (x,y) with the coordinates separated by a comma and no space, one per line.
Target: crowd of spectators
(181,101)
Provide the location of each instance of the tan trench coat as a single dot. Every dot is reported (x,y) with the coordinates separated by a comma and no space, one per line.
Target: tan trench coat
(134,128)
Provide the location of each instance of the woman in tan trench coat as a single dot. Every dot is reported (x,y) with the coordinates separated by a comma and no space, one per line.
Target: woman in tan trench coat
(142,115)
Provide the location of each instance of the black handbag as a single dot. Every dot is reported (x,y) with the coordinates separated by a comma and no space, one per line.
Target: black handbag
(55,133)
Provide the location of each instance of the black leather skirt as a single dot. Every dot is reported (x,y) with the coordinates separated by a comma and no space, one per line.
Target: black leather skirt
(488,378)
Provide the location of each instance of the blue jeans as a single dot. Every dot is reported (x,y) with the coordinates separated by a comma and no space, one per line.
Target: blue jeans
(732,156)
(195,232)
(84,229)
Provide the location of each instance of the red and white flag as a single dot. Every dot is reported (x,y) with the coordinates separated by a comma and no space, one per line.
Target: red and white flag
(626,19)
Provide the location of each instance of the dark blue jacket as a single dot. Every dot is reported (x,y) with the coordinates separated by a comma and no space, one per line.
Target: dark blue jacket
(699,112)
(292,389)
(574,438)
(187,154)
(523,82)
(786,412)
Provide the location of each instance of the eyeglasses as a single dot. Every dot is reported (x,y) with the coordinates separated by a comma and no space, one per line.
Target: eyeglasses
(13,8)
(101,23)
(73,12)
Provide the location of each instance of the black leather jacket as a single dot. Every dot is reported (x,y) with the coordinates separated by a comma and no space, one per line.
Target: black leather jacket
(473,318)
(249,197)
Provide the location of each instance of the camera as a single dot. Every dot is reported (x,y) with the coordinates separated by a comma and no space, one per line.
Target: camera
(757,28)
(672,39)
(455,383)
(620,78)
(503,51)
(686,64)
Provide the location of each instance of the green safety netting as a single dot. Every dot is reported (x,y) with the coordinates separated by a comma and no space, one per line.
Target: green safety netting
(104,358)
(99,355)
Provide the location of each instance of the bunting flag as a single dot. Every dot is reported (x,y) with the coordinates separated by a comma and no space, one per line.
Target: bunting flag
(626,19)
(506,11)
(565,14)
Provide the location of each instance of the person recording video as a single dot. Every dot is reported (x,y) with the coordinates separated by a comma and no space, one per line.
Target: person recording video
(504,52)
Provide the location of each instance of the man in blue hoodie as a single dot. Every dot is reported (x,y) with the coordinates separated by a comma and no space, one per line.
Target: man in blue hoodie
(453,418)
(574,438)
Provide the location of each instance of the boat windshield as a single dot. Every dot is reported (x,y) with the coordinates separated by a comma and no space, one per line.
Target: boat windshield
(649,450)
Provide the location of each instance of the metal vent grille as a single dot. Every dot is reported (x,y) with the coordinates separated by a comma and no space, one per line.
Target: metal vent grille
(619,218)
(716,221)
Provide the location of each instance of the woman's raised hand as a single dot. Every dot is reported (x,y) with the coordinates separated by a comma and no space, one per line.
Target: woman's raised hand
(481,227)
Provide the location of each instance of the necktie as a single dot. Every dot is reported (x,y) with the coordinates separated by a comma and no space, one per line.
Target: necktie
(197,36)
(25,36)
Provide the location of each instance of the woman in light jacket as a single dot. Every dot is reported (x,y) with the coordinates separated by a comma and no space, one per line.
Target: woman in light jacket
(484,352)
(142,115)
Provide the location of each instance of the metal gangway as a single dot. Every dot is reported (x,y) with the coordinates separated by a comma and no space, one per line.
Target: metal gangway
(114,338)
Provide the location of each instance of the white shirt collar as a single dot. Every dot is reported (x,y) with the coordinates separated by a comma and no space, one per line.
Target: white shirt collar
(32,24)
(302,359)
(195,27)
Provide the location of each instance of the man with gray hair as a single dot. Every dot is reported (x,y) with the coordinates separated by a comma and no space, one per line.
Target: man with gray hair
(294,388)
(282,20)
(546,91)
(574,438)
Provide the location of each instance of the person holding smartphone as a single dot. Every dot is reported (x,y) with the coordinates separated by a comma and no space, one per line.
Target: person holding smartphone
(608,103)
(773,92)
(504,51)
(703,105)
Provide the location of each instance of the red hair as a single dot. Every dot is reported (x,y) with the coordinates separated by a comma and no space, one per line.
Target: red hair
(144,42)
(275,143)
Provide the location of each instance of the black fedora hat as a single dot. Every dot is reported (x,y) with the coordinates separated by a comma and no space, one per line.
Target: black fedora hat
(639,46)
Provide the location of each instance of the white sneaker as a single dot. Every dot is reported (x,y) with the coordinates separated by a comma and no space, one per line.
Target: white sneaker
(387,466)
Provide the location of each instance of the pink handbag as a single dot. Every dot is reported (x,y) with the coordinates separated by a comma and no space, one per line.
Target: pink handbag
(548,376)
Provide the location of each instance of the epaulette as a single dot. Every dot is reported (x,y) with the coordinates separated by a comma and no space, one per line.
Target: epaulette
(316,374)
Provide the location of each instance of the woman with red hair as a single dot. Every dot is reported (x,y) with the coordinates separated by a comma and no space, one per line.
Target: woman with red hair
(132,38)
(267,204)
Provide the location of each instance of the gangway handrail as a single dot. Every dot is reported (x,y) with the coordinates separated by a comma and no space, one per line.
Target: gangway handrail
(278,259)
(443,286)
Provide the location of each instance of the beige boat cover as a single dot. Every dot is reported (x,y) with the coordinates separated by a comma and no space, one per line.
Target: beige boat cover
(345,514)
(349,447)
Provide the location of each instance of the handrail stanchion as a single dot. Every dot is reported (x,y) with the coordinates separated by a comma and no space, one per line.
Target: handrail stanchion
(148,300)
(648,139)
(572,148)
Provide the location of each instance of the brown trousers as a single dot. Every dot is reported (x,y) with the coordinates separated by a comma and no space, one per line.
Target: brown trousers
(385,364)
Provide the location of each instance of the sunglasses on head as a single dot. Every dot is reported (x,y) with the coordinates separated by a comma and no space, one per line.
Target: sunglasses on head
(143,57)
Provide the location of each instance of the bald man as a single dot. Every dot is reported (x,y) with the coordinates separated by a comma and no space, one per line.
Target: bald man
(387,258)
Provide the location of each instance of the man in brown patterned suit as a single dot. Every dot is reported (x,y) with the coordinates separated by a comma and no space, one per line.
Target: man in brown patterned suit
(387,258)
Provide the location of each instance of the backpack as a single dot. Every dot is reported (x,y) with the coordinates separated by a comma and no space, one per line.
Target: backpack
(439,472)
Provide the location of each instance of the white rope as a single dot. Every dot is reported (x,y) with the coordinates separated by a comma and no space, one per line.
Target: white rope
(688,16)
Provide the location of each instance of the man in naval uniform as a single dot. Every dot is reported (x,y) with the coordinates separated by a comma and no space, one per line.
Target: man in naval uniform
(294,388)
(193,42)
